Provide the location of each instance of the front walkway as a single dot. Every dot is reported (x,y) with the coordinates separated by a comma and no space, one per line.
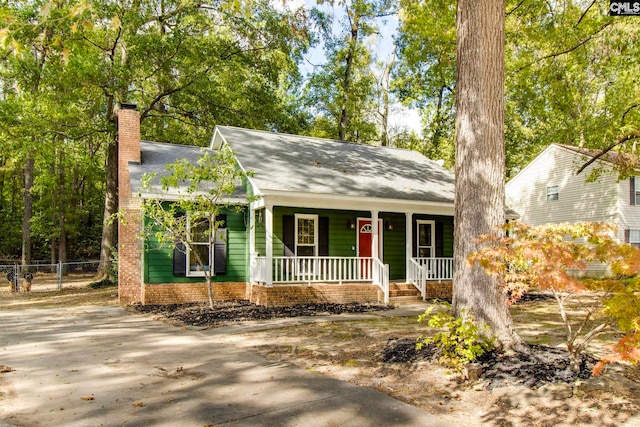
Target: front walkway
(101,366)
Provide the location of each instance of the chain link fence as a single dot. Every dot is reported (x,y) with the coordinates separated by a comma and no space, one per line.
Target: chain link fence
(49,277)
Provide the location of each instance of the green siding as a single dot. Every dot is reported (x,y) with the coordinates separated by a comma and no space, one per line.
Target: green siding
(158,260)
(393,251)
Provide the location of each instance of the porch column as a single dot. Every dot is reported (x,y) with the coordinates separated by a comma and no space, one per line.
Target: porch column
(375,236)
(252,241)
(268,225)
(408,241)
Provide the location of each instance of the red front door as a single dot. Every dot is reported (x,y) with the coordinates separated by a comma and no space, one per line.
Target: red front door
(365,240)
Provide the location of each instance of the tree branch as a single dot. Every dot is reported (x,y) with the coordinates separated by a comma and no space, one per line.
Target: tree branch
(566,51)
(621,140)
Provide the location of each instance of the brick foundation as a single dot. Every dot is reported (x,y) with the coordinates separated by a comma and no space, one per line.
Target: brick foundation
(442,290)
(281,295)
(180,293)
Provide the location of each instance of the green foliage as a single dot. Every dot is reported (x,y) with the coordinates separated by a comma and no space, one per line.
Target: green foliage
(571,75)
(203,189)
(547,257)
(462,341)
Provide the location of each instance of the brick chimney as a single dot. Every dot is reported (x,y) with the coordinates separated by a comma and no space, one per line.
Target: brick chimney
(130,286)
(128,148)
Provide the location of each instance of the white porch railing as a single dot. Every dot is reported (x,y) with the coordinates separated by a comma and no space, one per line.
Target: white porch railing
(416,277)
(322,270)
(436,268)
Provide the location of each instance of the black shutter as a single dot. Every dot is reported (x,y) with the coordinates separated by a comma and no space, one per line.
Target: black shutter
(632,190)
(323,238)
(222,218)
(220,252)
(180,260)
(288,235)
(627,236)
(439,230)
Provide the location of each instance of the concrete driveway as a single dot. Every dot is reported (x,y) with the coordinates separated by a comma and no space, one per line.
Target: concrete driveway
(101,366)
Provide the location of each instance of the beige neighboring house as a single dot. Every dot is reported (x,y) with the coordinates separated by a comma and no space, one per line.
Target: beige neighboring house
(548,190)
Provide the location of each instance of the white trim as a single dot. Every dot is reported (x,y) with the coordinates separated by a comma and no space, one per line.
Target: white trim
(268,230)
(354,203)
(315,219)
(173,197)
(408,244)
(433,237)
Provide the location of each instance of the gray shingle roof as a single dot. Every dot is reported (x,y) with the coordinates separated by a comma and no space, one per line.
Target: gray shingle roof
(154,158)
(302,164)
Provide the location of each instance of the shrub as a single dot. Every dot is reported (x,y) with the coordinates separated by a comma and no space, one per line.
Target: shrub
(545,257)
(462,341)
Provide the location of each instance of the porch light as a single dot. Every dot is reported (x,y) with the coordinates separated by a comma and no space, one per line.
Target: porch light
(389,225)
(351,224)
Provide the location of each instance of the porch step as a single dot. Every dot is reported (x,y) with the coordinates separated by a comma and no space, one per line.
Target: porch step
(403,293)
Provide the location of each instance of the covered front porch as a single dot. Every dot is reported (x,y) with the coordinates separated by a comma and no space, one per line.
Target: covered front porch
(316,246)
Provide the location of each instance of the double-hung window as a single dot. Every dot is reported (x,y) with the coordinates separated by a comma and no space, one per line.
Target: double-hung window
(634,238)
(552,193)
(306,239)
(199,255)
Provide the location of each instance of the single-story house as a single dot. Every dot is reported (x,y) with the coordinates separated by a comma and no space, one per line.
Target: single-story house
(548,190)
(332,221)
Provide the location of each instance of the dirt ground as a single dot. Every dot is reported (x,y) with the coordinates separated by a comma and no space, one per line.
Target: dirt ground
(351,350)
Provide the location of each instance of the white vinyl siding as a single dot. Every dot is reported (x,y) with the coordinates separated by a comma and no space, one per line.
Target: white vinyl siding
(578,200)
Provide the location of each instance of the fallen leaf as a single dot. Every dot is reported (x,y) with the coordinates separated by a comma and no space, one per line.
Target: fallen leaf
(138,404)
(88,398)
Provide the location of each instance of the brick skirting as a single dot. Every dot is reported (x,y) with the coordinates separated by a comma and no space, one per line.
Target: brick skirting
(284,295)
(442,290)
(180,293)
(275,296)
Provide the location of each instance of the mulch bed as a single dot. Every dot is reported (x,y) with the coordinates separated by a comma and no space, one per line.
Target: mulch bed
(239,311)
(542,365)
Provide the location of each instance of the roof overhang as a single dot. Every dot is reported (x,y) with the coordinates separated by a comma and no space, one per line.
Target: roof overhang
(339,202)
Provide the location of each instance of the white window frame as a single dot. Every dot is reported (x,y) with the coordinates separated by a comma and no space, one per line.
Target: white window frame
(433,237)
(634,238)
(637,190)
(315,243)
(199,273)
(553,190)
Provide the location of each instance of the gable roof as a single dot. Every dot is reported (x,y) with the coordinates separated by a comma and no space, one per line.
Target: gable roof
(300,164)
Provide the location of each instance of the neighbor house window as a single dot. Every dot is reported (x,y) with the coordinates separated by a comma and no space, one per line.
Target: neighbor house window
(634,238)
(635,191)
(552,193)
(426,239)
(306,235)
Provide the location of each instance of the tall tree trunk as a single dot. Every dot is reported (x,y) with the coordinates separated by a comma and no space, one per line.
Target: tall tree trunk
(62,240)
(346,79)
(384,114)
(28,210)
(109,226)
(480,161)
